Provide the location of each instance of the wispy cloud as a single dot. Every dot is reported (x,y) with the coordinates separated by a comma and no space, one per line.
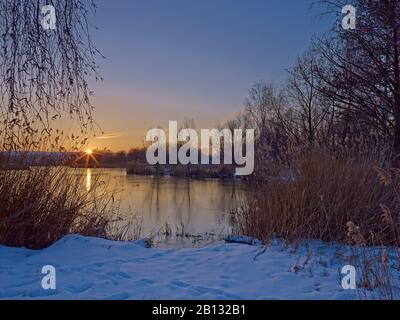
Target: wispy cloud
(110,136)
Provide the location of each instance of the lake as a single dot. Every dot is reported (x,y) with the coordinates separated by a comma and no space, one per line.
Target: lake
(177,211)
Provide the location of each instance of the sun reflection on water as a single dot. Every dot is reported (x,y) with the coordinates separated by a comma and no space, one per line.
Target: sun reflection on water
(88,179)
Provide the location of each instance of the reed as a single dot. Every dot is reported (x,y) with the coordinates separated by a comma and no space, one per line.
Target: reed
(327,197)
(41,205)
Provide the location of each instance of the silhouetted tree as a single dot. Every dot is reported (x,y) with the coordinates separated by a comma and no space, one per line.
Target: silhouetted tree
(43,73)
(360,71)
(265,106)
(309,109)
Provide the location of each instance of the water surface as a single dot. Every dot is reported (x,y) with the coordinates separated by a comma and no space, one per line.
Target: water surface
(186,212)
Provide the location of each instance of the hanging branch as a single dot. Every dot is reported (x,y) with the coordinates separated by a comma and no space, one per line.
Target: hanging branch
(44,73)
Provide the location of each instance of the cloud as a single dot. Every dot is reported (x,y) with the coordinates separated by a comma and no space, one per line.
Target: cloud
(110,136)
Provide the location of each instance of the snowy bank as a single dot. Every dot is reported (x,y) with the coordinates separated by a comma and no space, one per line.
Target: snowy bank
(89,268)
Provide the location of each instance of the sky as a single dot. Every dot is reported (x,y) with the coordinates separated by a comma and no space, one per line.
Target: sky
(171,59)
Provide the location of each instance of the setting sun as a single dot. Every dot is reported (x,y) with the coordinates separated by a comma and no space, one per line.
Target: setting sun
(89,151)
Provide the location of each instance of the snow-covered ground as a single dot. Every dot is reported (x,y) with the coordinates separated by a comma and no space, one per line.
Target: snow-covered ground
(89,268)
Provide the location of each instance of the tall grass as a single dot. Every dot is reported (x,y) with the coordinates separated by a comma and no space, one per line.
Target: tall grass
(41,205)
(328,195)
(337,199)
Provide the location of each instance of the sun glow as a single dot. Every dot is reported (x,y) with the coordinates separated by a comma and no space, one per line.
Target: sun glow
(89,158)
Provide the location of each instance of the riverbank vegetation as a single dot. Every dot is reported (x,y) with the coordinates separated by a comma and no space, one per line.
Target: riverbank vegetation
(41,205)
(334,129)
(42,82)
(331,135)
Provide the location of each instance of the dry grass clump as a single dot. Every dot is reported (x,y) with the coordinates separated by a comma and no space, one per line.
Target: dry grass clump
(332,198)
(41,205)
(337,199)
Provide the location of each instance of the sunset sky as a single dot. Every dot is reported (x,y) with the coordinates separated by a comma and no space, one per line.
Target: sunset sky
(171,59)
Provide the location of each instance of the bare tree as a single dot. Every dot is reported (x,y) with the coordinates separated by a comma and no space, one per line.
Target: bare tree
(310,110)
(361,70)
(44,73)
(265,106)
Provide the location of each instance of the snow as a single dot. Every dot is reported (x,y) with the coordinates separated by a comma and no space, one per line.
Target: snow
(91,268)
